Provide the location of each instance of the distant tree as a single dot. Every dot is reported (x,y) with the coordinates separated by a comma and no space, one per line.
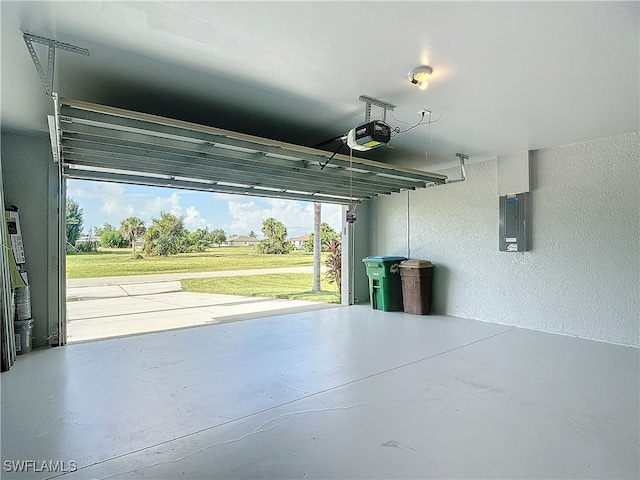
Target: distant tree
(275,241)
(326,234)
(218,236)
(113,239)
(166,236)
(107,227)
(74,221)
(200,239)
(252,234)
(132,228)
(110,237)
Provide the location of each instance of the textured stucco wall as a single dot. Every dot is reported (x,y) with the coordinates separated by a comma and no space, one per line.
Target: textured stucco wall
(582,275)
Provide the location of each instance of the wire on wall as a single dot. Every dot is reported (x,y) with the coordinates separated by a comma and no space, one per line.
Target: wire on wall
(408,226)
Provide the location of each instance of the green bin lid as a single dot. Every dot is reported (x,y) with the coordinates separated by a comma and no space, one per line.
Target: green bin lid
(384,259)
(416,264)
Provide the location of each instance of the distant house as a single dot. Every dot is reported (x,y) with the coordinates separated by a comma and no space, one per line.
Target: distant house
(298,242)
(241,241)
(87,239)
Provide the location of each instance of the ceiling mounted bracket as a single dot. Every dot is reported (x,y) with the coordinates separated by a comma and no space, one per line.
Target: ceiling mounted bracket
(47,78)
(378,103)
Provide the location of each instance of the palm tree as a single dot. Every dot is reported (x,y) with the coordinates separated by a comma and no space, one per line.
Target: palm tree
(131,229)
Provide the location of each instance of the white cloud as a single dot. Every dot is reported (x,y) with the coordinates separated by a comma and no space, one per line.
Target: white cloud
(193,220)
(332,214)
(109,198)
(156,205)
(245,218)
(296,216)
(114,202)
(172,204)
(76,191)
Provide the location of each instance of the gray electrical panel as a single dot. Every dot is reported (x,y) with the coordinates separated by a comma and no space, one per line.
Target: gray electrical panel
(514,227)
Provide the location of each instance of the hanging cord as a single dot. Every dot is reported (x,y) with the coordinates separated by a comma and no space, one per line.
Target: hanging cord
(426,149)
(351,238)
(396,130)
(352,207)
(429,144)
(350,178)
(400,121)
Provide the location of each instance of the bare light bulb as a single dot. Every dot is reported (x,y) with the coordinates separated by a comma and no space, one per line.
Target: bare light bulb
(420,75)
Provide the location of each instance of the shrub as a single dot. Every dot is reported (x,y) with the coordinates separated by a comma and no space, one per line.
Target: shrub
(326,234)
(86,247)
(113,239)
(334,262)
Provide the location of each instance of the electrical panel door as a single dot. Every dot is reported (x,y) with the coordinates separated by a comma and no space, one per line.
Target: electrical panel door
(514,227)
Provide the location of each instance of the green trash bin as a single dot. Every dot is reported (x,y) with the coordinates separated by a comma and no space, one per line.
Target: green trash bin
(385,285)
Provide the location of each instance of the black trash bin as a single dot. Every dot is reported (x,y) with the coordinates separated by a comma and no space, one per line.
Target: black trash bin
(417,280)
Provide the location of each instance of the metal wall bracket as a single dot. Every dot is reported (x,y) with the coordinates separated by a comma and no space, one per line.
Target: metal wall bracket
(463,171)
(462,159)
(47,78)
(378,103)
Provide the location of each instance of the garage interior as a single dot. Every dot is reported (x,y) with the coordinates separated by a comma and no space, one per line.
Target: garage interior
(529,365)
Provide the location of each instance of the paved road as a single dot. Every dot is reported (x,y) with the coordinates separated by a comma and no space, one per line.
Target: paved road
(171,277)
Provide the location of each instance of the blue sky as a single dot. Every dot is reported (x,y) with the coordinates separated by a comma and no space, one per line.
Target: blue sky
(104,202)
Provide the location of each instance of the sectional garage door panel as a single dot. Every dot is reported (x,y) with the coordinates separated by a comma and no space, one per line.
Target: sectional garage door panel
(109,144)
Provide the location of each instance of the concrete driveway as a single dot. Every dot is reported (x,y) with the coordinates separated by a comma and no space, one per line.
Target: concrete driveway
(107,307)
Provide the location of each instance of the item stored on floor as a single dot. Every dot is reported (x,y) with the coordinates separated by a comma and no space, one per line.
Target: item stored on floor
(24,334)
(385,287)
(417,281)
(22,303)
(17,262)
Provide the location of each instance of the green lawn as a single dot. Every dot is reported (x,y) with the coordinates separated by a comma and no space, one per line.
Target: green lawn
(296,286)
(118,262)
(292,286)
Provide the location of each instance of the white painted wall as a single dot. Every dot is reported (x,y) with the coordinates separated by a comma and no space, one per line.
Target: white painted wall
(28,171)
(582,276)
(359,243)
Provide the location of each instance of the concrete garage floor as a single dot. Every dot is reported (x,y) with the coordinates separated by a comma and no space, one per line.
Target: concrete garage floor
(345,392)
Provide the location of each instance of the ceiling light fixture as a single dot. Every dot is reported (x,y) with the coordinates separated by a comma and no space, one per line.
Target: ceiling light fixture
(420,75)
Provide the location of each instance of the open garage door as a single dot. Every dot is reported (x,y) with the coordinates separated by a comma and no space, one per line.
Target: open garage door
(96,142)
(110,144)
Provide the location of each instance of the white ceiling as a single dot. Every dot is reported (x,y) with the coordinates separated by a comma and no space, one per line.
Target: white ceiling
(508,76)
